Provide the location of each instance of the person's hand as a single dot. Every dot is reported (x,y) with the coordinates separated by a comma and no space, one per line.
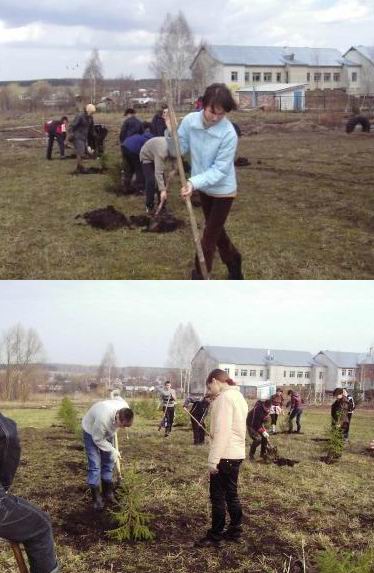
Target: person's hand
(116,456)
(213,470)
(163,196)
(186,190)
(265,435)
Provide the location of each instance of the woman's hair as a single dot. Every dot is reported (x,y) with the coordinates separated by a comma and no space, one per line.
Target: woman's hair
(220,375)
(337,392)
(218,95)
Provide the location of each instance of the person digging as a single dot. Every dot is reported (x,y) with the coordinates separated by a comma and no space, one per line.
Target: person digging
(256,429)
(296,410)
(197,408)
(100,425)
(81,125)
(168,401)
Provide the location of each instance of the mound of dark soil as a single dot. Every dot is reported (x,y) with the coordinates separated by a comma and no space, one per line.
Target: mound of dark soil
(163,223)
(107,218)
(90,171)
(328,459)
(285,462)
(241,162)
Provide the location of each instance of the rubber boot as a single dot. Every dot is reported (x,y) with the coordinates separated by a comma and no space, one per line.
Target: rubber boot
(108,491)
(235,269)
(96,498)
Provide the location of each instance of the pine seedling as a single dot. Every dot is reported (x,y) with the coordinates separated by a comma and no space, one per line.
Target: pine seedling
(68,415)
(335,444)
(132,521)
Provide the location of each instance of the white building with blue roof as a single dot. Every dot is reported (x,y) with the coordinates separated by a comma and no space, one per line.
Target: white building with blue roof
(245,66)
(363,55)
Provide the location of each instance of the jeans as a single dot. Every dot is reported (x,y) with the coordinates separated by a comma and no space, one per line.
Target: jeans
(150,185)
(100,463)
(198,432)
(24,523)
(258,439)
(295,413)
(133,165)
(224,492)
(216,211)
(168,419)
(60,137)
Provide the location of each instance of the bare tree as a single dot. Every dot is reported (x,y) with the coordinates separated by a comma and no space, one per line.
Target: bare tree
(173,53)
(183,347)
(107,370)
(203,68)
(93,78)
(22,353)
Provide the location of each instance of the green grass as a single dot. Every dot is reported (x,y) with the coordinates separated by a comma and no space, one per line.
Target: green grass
(305,209)
(318,505)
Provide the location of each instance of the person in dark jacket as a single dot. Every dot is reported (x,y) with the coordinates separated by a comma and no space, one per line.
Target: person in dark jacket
(80,127)
(295,405)
(158,124)
(130,148)
(56,129)
(256,429)
(198,408)
(351,407)
(131,125)
(339,412)
(20,521)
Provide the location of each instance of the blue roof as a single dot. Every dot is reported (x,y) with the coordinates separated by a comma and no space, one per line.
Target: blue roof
(367,51)
(345,359)
(235,355)
(277,56)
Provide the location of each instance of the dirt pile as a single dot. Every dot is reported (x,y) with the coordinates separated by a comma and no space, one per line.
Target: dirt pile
(110,219)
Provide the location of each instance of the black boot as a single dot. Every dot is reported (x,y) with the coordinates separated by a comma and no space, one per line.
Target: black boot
(108,491)
(97,499)
(235,269)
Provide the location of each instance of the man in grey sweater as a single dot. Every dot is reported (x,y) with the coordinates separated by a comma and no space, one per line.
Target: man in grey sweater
(154,156)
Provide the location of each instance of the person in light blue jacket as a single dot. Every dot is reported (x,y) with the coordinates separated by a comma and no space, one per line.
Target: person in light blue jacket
(210,139)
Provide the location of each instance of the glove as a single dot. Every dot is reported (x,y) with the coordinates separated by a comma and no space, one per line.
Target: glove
(265,435)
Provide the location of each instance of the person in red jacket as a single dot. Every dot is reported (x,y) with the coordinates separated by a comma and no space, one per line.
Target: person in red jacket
(56,129)
(256,429)
(295,404)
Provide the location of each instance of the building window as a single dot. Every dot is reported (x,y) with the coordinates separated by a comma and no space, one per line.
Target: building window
(252,372)
(317,77)
(354,76)
(299,374)
(327,77)
(243,372)
(292,373)
(279,77)
(236,372)
(234,76)
(268,374)
(267,77)
(287,76)
(308,77)
(350,372)
(261,373)
(284,373)
(344,372)
(336,77)
(321,375)
(227,370)
(246,77)
(306,374)
(256,77)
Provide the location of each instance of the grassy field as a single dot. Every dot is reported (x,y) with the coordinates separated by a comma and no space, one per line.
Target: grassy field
(312,505)
(305,209)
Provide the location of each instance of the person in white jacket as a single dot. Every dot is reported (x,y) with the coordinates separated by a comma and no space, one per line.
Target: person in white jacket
(99,425)
(227,451)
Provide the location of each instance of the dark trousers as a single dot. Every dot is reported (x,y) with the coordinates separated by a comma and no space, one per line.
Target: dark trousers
(133,166)
(168,420)
(258,439)
(348,425)
(24,523)
(224,492)
(198,432)
(216,212)
(295,413)
(61,143)
(150,184)
(274,419)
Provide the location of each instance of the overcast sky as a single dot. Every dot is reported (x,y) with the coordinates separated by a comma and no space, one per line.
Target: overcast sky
(53,38)
(76,320)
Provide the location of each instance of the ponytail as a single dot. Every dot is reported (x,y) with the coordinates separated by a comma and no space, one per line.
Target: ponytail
(220,375)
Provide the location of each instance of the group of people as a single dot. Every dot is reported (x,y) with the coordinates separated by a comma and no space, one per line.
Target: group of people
(230,419)
(209,140)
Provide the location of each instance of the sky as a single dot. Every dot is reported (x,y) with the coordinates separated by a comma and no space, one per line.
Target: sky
(51,38)
(77,320)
